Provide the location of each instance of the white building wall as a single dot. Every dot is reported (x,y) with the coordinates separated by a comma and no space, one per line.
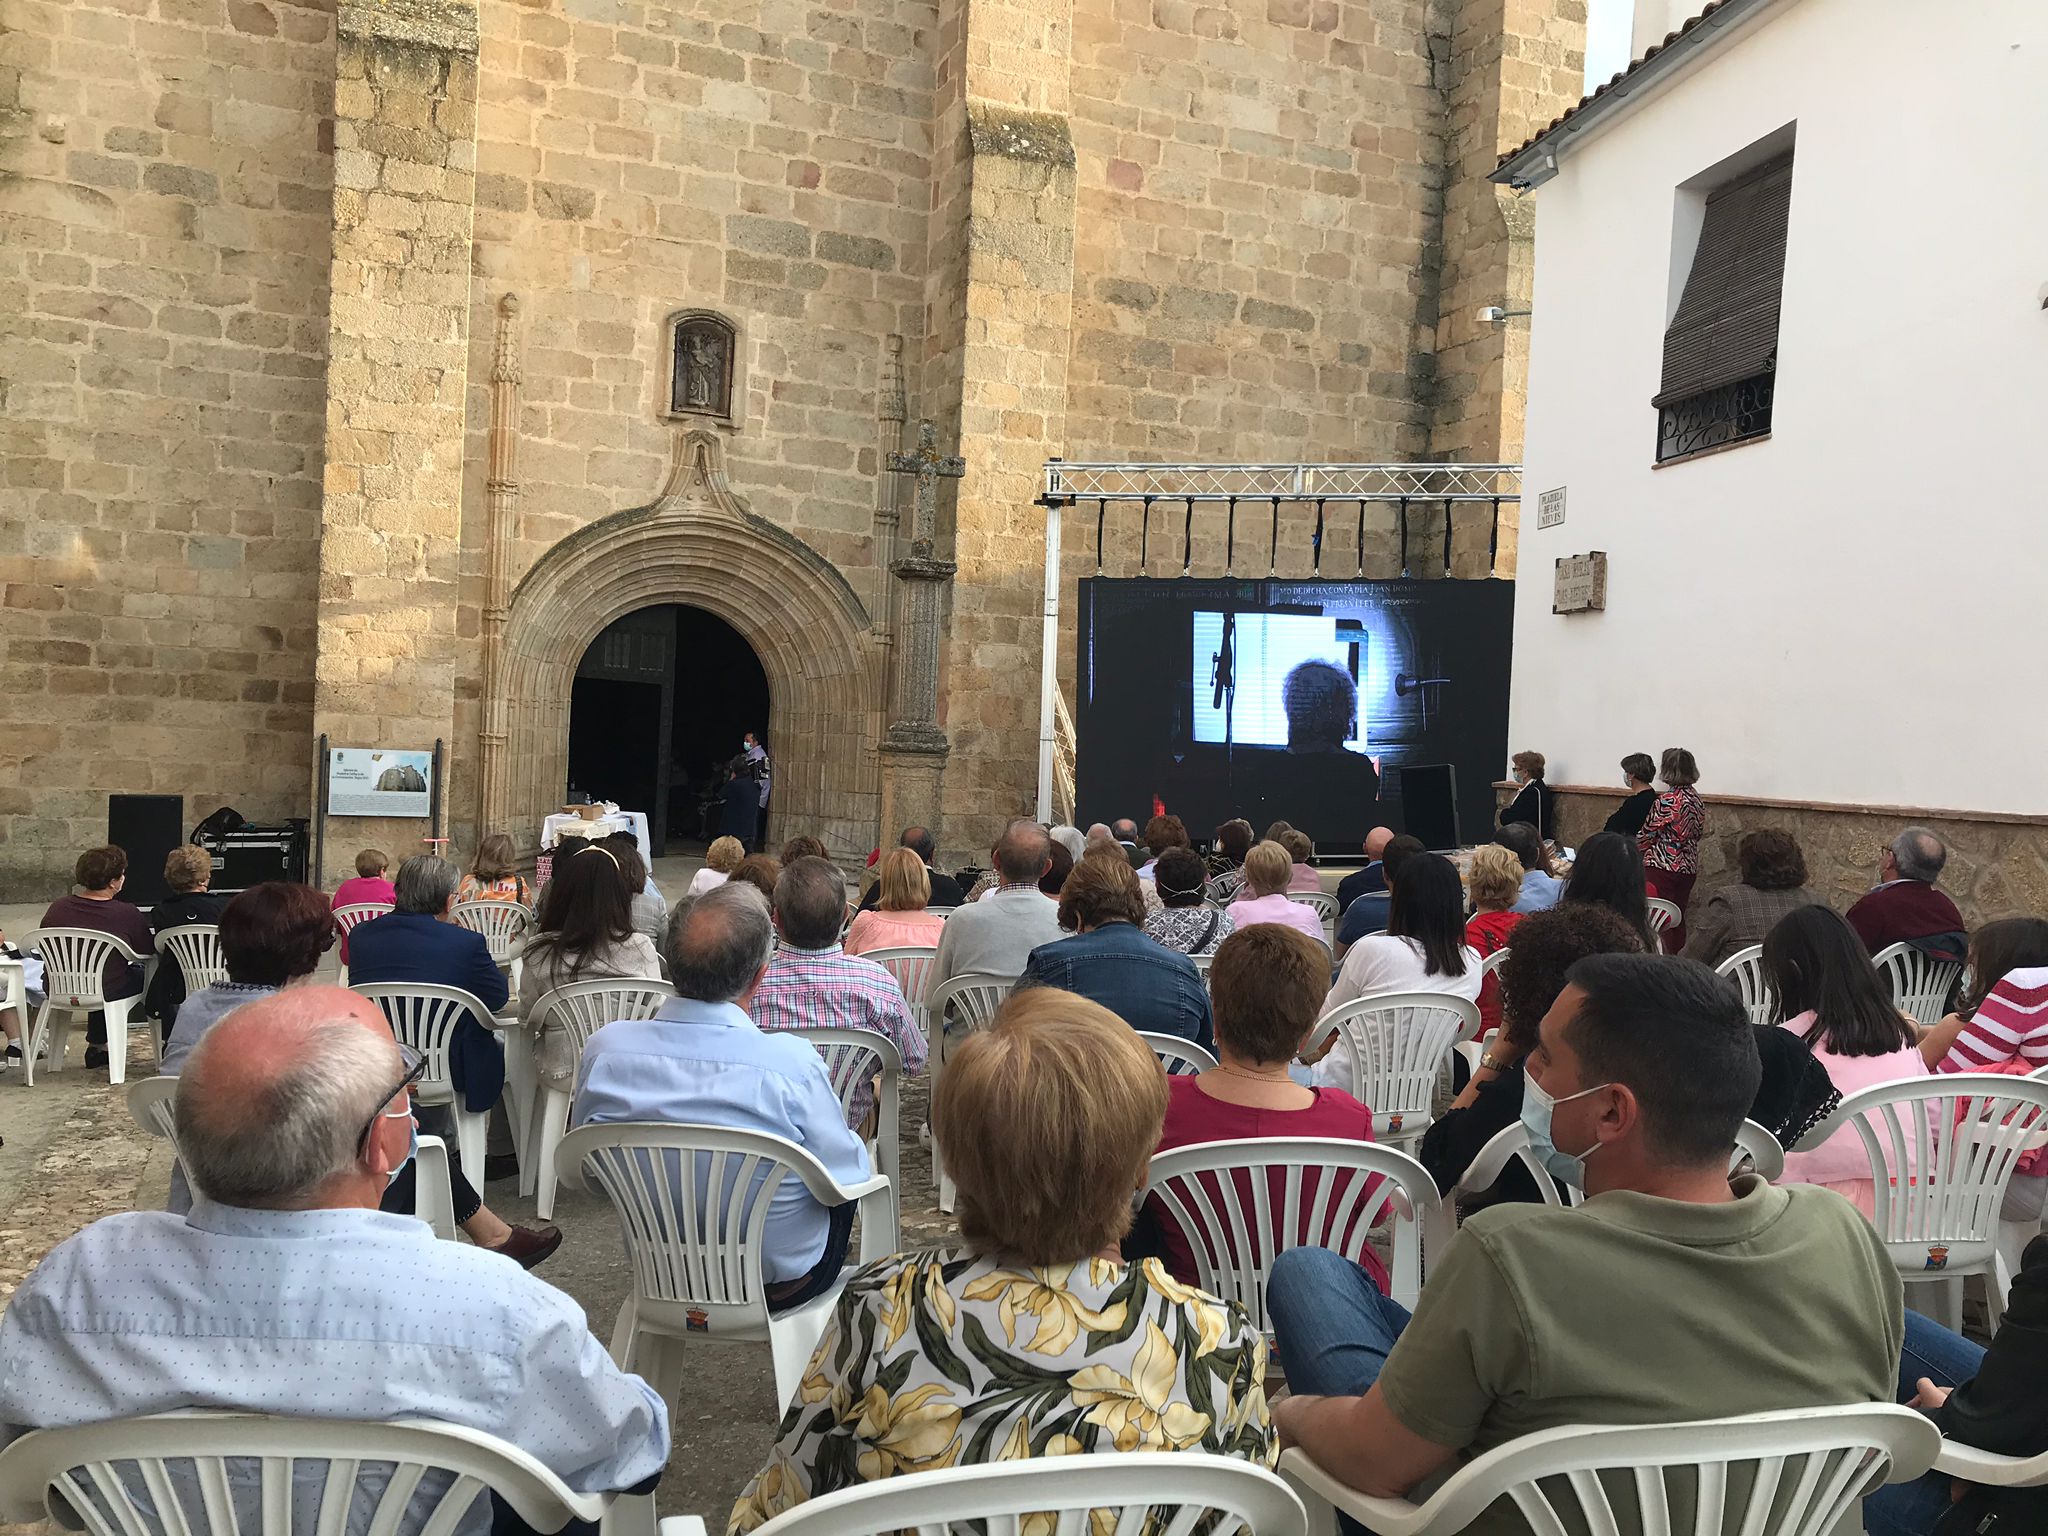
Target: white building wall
(1856,609)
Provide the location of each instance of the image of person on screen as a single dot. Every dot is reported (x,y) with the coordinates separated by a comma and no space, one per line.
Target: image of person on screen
(1321,702)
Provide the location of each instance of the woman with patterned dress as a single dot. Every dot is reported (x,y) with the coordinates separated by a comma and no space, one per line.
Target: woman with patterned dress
(1035,1339)
(1184,921)
(1670,839)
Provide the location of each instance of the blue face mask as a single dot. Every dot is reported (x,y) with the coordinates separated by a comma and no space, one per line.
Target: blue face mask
(1566,1167)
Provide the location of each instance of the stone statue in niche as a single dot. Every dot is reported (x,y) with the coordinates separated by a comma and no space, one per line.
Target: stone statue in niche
(702,383)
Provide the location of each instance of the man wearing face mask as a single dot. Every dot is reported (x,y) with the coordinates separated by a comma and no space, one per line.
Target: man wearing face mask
(1673,1293)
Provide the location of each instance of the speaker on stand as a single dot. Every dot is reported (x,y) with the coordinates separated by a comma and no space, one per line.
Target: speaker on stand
(146,828)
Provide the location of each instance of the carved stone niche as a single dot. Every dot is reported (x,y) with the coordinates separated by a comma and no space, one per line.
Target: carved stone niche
(704,373)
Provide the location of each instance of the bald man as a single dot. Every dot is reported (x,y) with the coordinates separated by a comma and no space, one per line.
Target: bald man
(1363,882)
(285,1290)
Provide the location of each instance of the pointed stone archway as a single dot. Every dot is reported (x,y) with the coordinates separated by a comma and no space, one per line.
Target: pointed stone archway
(696,543)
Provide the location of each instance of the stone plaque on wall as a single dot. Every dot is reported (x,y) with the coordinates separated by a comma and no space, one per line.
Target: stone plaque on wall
(1581,584)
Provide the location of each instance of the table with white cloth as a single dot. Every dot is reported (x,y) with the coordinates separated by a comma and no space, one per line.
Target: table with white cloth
(634,822)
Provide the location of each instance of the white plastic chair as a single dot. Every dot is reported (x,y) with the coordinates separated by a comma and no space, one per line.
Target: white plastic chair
(433,1190)
(911,965)
(74,981)
(853,1059)
(693,1203)
(1663,914)
(972,999)
(1942,1224)
(424,1017)
(346,918)
(581,1008)
(1237,1228)
(1181,1058)
(1177,1491)
(1756,1143)
(1919,984)
(1494,962)
(196,948)
(249,1474)
(1202,964)
(1325,906)
(1990,1468)
(1764,1474)
(1752,1141)
(1401,1044)
(1746,969)
(503,924)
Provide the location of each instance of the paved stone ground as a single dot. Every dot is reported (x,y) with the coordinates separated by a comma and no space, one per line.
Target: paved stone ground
(73,1154)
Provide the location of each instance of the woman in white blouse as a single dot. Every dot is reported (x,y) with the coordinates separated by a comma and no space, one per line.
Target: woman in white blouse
(1424,948)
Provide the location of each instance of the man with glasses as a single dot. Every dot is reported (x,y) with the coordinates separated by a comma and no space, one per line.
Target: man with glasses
(285,1290)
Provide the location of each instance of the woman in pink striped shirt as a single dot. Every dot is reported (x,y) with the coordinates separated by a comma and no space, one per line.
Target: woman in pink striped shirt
(2002,1026)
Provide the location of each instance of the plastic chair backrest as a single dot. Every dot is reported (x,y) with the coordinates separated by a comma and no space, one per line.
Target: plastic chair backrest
(245,1474)
(1765,1474)
(972,999)
(1494,961)
(502,923)
(347,917)
(911,965)
(424,1017)
(75,963)
(1399,1043)
(1919,983)
(1663,914)
(150,1102)
(196,948)
(1181,1058)
(1202,964)
(1511,1142)
(1756,1143)
(1324,903)
(1295,1193)
(582,1008)
(1746,969)
(1942,1150)
(1167,1493)
(855,1058)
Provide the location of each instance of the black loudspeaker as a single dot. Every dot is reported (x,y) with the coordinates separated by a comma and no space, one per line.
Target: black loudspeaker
(1429,804)
(146,828)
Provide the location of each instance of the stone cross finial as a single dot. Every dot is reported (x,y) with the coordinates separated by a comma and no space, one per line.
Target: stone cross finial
(929,466)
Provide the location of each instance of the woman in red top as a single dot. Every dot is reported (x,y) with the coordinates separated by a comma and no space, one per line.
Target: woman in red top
(1670,839)
(1266,987)
(1494,883)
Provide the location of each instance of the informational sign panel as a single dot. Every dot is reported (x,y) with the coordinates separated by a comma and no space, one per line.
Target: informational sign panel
(379,781)
(1550,508)
(1581,584)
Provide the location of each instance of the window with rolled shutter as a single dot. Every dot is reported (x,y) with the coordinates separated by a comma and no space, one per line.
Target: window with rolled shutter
(1721,348)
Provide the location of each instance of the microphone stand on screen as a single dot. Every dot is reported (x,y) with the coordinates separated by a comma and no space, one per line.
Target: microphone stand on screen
(1223,678)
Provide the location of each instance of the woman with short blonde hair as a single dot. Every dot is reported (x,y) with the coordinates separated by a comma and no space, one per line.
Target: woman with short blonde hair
(1268,874)
(1494,882)
(900,918)
(720,860)
(1048,1119)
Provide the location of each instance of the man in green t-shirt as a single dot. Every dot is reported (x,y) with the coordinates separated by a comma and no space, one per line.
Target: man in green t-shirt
(1671,1294)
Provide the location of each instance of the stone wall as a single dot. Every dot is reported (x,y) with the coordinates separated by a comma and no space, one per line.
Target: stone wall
(164,207)
(1998,865)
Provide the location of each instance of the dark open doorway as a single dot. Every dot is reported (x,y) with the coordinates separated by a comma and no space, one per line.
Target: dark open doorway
(662,699)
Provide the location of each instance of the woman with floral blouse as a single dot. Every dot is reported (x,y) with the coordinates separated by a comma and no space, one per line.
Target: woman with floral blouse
(1670,839)
(1035,1339)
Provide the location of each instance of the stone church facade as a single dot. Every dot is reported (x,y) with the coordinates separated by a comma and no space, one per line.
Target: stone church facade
(339,349)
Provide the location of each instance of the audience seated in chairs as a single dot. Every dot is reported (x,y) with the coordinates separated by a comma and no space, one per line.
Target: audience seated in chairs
(1300,849)
(1048,1120)
(1830,996)
(99,874)
(494,873)
(1423,949)
(1733,917)
(996,935)
(700,1060)
(1541,1316)
(811,983)
(1225,864)
(1058,865)
(1162,833)
(1268,876)
(649,906)
(414,945)
(803,846)
(945,890)
(1368,912)
(1541,890)
(285,1290)
(1546,945)
(1267,984)
(1990,1399)
(1494,882)
(761,871)
(901,917)
(583,932)
(1906,907)
(366,888)
(1373,877)
(720,860)
(1609,872)
(187,871)
(1110,960)
(1184,921)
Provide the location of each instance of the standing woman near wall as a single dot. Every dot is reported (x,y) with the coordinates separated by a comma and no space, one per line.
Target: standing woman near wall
(1534,803)
(1670,839)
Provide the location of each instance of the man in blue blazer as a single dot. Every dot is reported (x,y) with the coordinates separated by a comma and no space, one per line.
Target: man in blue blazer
(414,944)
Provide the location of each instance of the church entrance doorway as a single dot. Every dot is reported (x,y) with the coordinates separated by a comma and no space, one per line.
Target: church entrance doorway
(661,699)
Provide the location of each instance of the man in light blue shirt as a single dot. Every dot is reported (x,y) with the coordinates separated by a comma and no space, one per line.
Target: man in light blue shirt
(1541,890)
(702,1061)
(285,1290)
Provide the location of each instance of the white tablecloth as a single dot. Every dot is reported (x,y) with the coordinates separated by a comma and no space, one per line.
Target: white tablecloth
(619,821)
